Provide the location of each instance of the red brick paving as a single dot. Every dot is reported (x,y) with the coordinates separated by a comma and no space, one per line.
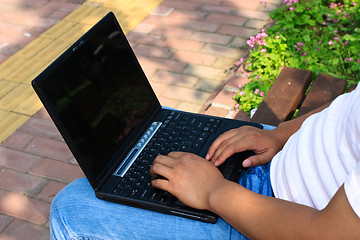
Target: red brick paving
(181,47)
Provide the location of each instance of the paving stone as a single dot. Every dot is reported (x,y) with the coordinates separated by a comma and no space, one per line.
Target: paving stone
(18,140)
(42,114)
(189,107)
(20,182)
(144,28)
(221,50)
(172,32)
(207,85)
(25,208)
(49,192)
(179,4)
(158,88)
(186,94)
(40,127)
(17,160)
(49,148)
(243,4)
(24,230)
(216,111)
(211,38)
(167,102)
(254,23)
(202,26)
(175,79)
(237,81)
(239,42)
(225,97)
(217,9)
(162,64)
(237,31)
(152,51)
(186,14)
(57,170)
(165,21)
(183,44)
(254,14)
(138,37)
(226,19)
(205,72)
(4,222)
(9,123)
(194,57)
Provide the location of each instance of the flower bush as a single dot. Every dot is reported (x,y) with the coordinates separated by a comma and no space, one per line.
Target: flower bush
(317,35)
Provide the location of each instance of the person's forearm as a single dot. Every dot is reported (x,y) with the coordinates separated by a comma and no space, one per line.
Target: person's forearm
(262,217)
(288,128)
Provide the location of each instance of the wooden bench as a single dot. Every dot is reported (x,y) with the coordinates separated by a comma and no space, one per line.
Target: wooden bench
(289,94)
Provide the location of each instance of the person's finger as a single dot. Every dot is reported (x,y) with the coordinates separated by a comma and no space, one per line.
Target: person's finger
(161,166)
(240,145)
(257,159)
(161,184)
(165,160)
(215,145)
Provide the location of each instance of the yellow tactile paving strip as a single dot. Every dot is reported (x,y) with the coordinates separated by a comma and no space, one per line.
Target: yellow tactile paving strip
(18,101)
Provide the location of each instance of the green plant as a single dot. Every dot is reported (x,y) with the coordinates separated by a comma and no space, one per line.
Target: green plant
(318,35)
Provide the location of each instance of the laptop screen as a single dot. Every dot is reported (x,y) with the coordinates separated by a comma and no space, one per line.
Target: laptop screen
(100,94)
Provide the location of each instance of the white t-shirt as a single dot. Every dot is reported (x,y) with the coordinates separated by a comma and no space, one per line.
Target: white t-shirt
(321,156)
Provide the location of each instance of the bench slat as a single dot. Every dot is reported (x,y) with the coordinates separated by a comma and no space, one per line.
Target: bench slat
(284,96)
(324,89)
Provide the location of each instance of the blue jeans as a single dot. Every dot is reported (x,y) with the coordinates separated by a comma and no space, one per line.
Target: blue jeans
(77,214)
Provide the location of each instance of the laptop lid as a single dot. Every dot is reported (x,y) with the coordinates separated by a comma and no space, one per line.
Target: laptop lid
(98,97)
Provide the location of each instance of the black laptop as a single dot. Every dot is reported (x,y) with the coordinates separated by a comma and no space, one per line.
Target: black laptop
(104,107)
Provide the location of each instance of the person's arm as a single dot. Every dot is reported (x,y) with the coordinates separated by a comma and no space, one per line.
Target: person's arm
(264,143)
(199,184)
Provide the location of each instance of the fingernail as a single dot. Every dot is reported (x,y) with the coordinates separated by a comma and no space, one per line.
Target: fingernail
(207,157)
(246,163)
(216,162)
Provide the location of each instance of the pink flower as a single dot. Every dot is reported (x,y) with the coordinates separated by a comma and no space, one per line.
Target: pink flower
(250,64)
(351,59)
(345,43)
(242,93)
(240,85)
(262,94)
(257,91)
(331,42)
(319,42)
(263,50)
(324,23)
(257,77)
(267,55)
(304,54)
(277,37)
(291,8)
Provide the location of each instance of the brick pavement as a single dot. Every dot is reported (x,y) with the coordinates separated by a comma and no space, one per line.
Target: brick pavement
(186,47)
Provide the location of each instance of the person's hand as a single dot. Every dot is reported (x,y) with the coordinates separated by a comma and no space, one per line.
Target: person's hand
(189,177)
(264,143)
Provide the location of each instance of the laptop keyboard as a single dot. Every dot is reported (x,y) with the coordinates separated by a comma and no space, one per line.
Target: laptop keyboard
(179,132)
